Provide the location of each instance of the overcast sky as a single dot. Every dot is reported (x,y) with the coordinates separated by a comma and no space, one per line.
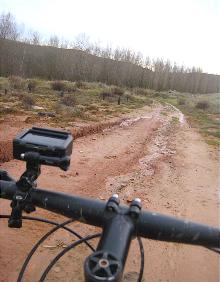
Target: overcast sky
(185,31)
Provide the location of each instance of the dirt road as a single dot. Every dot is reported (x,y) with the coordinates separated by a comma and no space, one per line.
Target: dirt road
(154,156)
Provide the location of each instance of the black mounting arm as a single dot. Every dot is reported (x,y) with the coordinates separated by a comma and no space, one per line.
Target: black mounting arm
(22,200)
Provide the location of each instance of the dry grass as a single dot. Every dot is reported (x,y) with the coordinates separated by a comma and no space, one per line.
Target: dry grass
(70,100)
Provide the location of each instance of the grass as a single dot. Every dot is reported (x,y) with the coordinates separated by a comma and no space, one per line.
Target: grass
(213,142)
(86,102)
(207,120)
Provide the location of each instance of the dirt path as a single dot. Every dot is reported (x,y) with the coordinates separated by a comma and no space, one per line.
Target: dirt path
(154,157)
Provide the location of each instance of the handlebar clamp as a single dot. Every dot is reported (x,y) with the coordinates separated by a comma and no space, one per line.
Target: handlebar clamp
(113,203)
(135,208)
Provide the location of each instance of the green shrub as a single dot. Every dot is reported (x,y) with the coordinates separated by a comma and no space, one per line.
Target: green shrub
(32,84)
(131,98)
(80,84)
(92,107)
(181,101)
(28,101)
(117,91)
(141,91)
(106,94)
(58,85)
(70,87)
(16,82)
(216,134)
(212,142)
(69,100)
(202,105)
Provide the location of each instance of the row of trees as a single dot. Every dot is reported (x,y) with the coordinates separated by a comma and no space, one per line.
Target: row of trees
(29,56)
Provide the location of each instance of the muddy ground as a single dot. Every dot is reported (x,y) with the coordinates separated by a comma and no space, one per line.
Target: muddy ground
(154,155)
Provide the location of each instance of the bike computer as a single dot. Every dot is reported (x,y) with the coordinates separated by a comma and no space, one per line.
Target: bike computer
(52,146)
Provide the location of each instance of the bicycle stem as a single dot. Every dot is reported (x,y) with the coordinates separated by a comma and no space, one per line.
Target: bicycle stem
(109,259)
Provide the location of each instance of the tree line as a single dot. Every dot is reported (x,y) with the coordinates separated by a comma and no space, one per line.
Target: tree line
(29,56)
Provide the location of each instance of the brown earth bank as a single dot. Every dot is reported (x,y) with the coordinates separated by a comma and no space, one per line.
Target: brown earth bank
(12,125)
(152,156)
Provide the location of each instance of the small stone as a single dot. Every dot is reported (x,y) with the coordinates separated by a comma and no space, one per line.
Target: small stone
(49,247)
(56,269)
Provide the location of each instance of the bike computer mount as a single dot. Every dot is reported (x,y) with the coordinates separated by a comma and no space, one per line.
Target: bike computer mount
(37,146)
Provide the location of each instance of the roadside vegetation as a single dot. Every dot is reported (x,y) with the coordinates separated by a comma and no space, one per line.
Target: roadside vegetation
(201,110)
(64,101)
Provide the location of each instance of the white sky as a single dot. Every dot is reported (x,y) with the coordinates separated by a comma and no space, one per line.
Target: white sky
(185,31)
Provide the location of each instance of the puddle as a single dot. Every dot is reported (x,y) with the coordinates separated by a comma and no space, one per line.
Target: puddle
(129,122)
(181,116)
(124,184)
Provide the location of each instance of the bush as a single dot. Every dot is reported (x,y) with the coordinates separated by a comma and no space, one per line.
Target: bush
(32,84)
(106,94)
(58,85)
(69,100)
(130,97)
(141,91)
(16,82)
(92,107)
(117,91)
(157,94)
(181,101)
(78,112)
(28,101)
(80,84)
(202,105)
(70,87)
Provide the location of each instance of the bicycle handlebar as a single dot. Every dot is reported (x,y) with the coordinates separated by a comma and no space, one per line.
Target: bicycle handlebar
(93,212)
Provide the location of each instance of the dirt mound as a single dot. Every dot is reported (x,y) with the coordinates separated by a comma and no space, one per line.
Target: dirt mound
(93,128)
(77,131)
(5,151)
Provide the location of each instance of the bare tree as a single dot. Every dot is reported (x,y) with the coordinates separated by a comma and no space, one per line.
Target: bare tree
(82,42)
(8,27)
(35,38)
(91,62)
(64,43)
(107,52)
(95,49)
(54,41)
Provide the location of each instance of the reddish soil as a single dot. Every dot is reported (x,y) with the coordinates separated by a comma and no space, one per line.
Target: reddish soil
(167,165)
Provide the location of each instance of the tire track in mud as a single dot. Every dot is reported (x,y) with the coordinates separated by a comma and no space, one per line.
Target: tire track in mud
(157,149)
